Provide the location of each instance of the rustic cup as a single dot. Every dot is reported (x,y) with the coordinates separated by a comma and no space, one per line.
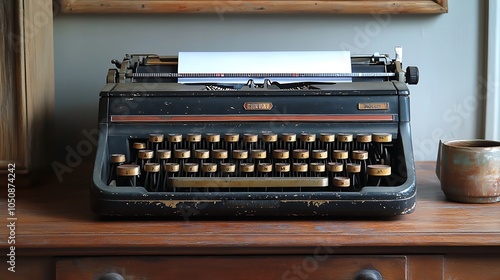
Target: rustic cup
(469,170)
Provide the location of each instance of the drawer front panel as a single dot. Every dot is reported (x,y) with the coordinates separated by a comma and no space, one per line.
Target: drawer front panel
(233,267)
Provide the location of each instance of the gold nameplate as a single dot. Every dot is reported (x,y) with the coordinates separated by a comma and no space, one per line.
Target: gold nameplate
(373,106)
(258,106)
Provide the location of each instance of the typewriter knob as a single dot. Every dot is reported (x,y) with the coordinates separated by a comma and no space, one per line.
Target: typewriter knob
(345,137)
(340,154)
(209,167)
(300,154)
(317,167)
(202,154)
(342,182)
(335,167)
(327,137)
(320,154)
(300,167)
(193,137)
(378,170)
(231,137)
(411,75)
(250,138)
(156,138)
(382,137)
(353,167)
(307,137)
(145,154)
(213,137)
(240,154)
(269,137)
(360,155)
(117,158)
(163,154)
(368,274)
(259,154)
(281,154)
(111,276)
(364,138)
(288,137)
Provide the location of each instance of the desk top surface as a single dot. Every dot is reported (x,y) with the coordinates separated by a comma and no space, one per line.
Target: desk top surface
(55,217)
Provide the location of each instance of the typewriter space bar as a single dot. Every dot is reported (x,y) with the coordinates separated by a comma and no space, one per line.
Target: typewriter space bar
(248,182)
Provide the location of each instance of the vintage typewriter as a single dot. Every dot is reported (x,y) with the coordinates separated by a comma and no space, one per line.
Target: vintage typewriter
(254,149)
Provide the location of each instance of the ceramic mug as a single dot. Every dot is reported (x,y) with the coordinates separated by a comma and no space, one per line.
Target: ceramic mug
(469,170)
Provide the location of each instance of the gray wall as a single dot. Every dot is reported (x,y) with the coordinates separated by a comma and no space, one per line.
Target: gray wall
(448,49)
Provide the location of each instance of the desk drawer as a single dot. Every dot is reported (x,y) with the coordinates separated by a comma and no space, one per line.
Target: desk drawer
(233,267)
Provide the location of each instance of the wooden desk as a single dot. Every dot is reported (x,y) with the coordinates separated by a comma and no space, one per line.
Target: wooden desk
(57,237)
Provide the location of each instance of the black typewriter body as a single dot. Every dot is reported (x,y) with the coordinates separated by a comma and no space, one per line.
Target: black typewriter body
(305,149)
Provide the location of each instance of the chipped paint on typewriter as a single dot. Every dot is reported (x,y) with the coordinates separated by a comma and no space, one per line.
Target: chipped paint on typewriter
(255,149)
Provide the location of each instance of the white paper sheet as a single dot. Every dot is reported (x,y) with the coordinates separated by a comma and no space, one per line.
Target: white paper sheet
(265,62)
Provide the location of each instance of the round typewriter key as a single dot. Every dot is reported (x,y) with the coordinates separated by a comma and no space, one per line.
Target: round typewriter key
(340,154)
(152,167)
(382,137)
(240,154)
(300,167)
(250,138)
(117,158)
(228,167)
(307,137)
(353,167)
(335,167)
(212,137)
(281,154)
(182,153)
(359,155)
(156,138)
(247,167)
(363,138)
(341,182)
(282,167)
(300,154)
(202,154)
(139,145)
(317,167)
(127,170)
(193,137)
(219,154)
(259,154)
(344,137)
(127,174)
(152,172)
(175,138)
(327,137)
(145,154)
(209,167)
(171,167)
(231,137)
(163,154)
(288,137)
(319,154)
(265,167)
(190,167)
(269,137)
(378,170)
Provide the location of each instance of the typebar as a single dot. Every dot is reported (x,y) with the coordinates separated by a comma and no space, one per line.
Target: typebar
(248,182)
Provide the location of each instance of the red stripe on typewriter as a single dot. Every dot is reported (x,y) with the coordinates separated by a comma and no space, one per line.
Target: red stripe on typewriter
(252,118)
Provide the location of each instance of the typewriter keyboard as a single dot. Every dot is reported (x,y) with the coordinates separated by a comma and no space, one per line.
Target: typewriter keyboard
(254,162)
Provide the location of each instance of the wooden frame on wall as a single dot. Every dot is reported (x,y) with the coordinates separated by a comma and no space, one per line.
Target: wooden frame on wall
(255,6)
(27,84)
